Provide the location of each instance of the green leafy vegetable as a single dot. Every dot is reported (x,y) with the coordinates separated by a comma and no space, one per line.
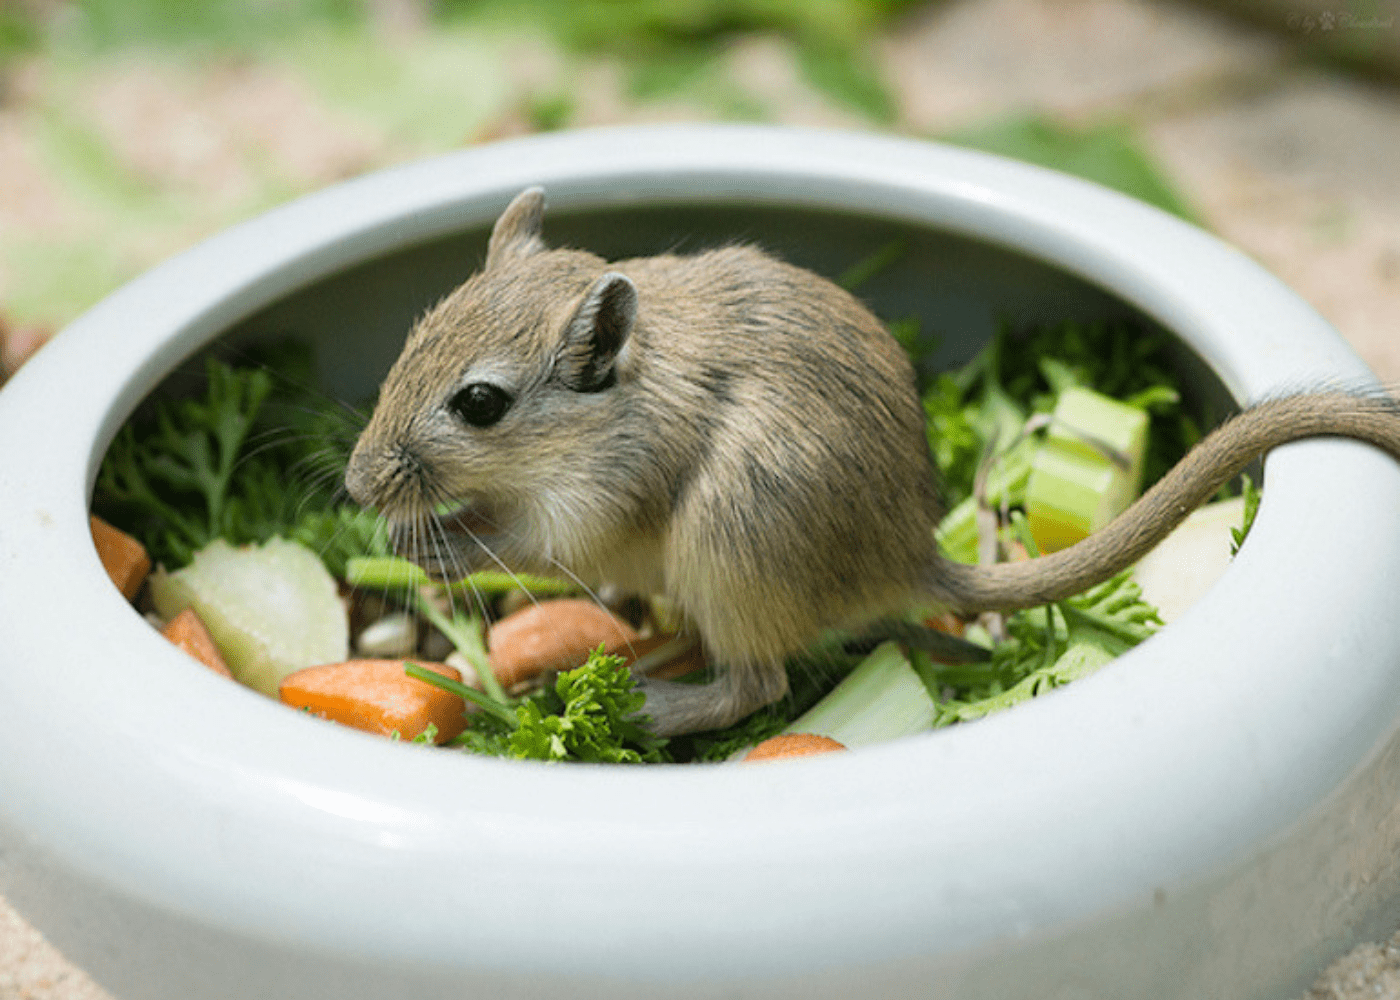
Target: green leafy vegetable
(190,452)
(596,720)
(1046,648)
(953,439)
(718,746)
(1252,496)
(486,734)
(592,714)
(339,535)
(427,737)
(252,458)
(971,414)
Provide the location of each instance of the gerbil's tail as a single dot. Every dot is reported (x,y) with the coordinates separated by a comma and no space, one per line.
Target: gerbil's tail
(1217,459)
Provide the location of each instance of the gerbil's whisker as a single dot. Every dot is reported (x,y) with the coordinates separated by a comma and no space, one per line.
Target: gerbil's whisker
(555,563)
(442,543)
(415,547)
(447,555)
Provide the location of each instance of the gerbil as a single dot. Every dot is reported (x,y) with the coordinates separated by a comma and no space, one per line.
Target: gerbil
(724,428)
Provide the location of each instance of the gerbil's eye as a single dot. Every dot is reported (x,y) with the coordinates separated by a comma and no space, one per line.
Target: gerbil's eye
(480,404)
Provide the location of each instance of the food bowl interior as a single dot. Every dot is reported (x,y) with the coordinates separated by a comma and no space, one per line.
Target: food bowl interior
(959,288)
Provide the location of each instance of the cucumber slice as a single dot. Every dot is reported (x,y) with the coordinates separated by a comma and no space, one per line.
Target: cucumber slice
(1188,562)
(271,609)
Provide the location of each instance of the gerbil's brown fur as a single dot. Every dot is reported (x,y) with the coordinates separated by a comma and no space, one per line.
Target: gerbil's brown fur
(724,428)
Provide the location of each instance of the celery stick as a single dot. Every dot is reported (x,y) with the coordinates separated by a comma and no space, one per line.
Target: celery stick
(957,532)
(1069,498)
(489,582)
(393,573)
(882,699)
(1089,469)
(383,573)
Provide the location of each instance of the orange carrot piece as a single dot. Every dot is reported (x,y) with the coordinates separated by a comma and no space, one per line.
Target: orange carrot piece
(553,635)
(187,631)
(792,745)
(946,622)
(378,697)
(123,557)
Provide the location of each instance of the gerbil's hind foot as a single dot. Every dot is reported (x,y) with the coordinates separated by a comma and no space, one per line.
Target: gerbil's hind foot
(676,708)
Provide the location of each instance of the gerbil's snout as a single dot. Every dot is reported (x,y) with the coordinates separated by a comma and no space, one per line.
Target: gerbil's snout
(357,477)
(381,476)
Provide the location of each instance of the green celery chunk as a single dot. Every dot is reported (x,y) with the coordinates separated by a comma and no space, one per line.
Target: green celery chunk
(1080,660)
(882,699)
(1089,469)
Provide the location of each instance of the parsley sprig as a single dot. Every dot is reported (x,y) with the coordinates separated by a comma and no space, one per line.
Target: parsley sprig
(592,714)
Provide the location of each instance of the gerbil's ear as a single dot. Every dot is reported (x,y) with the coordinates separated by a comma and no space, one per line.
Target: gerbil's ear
(597,332)
(517,231)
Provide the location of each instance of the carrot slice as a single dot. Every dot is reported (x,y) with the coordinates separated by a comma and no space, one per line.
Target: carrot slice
(553,635)
(792,745)
(187,631)
(946,622)
(123,557)
(377,697)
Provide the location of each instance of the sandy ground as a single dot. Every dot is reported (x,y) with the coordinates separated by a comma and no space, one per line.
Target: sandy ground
(1293,163)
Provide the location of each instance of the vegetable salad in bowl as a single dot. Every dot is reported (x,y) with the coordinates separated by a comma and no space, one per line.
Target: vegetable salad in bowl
(264,571)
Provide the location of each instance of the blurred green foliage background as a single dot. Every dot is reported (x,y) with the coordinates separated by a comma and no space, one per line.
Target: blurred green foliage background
(137,127)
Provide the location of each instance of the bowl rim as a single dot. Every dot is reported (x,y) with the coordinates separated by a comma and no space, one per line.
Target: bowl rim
(1198,749)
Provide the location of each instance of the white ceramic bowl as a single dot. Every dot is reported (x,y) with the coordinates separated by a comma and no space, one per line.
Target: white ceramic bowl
(1211,816)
